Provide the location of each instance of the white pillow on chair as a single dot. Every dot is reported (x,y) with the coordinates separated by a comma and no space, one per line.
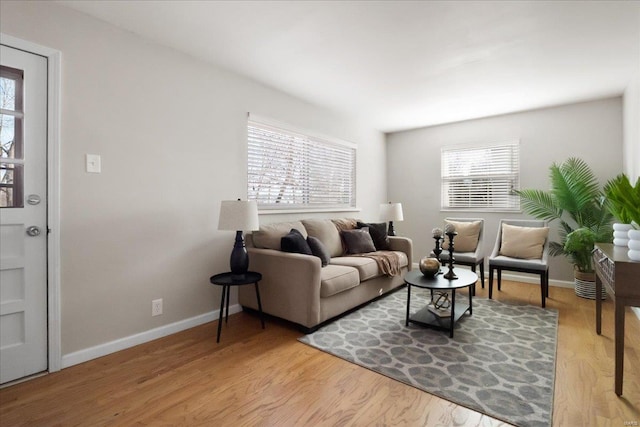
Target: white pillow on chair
(467,238)
(523,242)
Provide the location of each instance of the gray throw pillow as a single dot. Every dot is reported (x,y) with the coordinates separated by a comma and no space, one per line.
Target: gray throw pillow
(378,233)
(319,249)
(358,241)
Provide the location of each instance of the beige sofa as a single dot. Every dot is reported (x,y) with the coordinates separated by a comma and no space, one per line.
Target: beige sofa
(296,287)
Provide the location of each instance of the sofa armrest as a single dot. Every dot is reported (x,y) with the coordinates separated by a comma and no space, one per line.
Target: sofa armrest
(290,286)
(402,244)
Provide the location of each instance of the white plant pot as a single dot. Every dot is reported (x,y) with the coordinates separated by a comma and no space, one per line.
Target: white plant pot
(634,245)
(621,233)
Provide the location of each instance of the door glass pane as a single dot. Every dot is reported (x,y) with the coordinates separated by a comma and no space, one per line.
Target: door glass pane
(7,136)
(11,186)
(7,94)
(11,153)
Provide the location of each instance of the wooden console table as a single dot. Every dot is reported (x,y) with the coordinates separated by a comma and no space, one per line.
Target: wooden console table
(621,278)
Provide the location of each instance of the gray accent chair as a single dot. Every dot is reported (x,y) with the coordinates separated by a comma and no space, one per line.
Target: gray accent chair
(533,266)
(470,259)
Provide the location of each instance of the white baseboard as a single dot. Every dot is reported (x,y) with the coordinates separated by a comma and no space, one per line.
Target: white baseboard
(526,279)
(536,280)
(141,338)
(90,353)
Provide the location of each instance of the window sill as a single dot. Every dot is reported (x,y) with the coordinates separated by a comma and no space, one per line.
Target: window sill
(302,210)
(496,210)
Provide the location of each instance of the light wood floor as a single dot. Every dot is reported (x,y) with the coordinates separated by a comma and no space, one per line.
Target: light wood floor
(266,377)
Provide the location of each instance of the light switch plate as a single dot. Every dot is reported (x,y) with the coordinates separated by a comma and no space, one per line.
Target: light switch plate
(93,163)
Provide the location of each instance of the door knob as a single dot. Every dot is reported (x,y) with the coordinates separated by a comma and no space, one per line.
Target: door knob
(33,231)
(33,199)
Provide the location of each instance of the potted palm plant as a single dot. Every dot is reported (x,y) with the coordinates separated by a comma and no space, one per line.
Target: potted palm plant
(623,201)
(577,202)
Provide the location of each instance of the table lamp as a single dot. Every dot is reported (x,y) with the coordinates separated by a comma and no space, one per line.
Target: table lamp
(391,212)
(240,216)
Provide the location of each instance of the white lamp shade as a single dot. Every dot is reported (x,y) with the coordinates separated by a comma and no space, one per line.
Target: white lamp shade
(391,212)
(238,215)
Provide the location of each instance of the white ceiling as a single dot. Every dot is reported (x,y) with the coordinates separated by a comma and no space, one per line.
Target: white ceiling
(404,64)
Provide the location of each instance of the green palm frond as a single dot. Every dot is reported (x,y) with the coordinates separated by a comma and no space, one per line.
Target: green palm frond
(575,188)
(556,249)
(623,199)
(539,204)
(577,201)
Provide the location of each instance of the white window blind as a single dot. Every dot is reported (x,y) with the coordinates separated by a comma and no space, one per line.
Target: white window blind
(481,177)
(290,170)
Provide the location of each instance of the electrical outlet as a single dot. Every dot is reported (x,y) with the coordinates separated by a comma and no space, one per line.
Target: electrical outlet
(156,307)
(93,163)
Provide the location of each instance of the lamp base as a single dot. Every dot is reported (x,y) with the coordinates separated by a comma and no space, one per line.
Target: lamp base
(391,231)
(239,261)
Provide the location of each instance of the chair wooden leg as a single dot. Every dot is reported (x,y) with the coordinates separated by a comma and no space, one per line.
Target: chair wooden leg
(482,274)
(473,268)
(490,281)
(546,280)
(499,279)
(543,291)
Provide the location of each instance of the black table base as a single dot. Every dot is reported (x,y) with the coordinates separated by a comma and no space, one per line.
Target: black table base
(226,280)
(426,317)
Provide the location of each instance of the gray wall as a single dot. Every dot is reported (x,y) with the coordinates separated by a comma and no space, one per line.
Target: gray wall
(171,131)
(632,123)
(589,130)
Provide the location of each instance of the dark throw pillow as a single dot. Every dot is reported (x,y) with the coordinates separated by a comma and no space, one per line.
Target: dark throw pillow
(319,249)
(378,234)
(358,241)
(295,242)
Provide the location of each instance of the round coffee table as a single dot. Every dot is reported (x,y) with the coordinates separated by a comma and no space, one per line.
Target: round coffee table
(426,316)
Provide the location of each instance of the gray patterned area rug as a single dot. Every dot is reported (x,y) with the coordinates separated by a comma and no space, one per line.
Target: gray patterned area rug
(501,360)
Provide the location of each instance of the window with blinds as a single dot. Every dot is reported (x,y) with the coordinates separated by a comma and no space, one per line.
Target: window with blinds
(481,177)
(288,169)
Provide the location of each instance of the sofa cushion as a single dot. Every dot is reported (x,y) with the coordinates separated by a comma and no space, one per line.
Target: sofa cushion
(378,233)
(294,242)
(367,267)
(269,235)
(319,249)
(358,241)
(345,223)
(523,242)
(467,238)
(403,260)
(325,231)
(337,278)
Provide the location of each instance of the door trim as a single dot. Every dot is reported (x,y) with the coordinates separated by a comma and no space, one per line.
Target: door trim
(53,191)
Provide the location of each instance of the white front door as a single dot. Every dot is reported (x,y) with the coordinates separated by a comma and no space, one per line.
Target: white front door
(23,214)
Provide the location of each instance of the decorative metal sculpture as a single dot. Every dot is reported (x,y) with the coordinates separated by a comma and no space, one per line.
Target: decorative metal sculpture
(450,231)
(437,235)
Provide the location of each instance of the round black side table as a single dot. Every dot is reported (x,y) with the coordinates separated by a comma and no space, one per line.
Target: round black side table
(226,280)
